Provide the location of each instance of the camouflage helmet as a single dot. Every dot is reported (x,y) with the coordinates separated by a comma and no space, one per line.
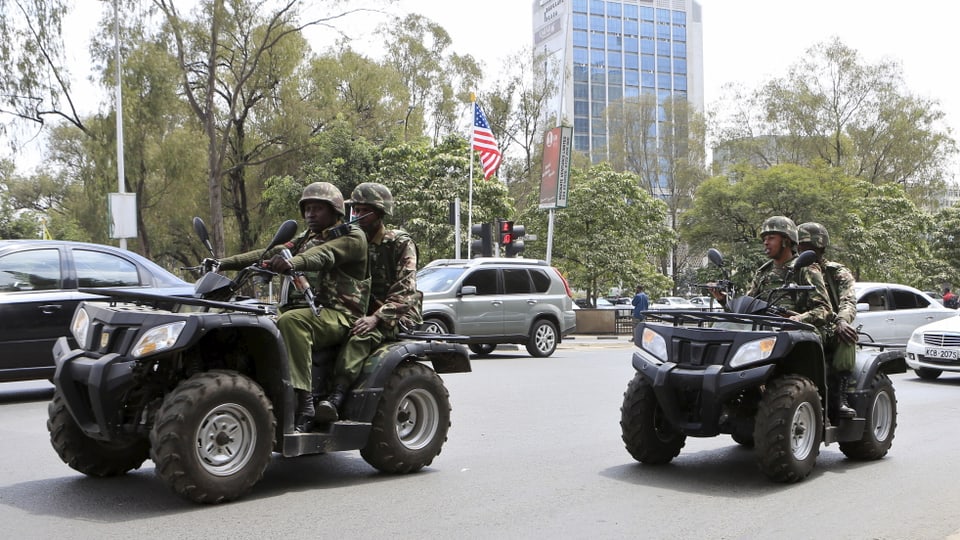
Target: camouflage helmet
(814,234)
(375,195)
(780,225)
(323,191)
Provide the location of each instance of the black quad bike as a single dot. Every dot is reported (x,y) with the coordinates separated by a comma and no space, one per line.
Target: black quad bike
(754,374)
(203,389)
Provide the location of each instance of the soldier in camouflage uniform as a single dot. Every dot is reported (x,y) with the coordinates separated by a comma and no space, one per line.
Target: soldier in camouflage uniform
(333,257)
(779,236)
(395,302)
(840,346)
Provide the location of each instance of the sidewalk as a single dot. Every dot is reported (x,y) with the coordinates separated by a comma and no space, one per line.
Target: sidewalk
(597,340)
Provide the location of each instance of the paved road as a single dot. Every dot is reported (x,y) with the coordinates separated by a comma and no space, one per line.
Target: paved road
(534,452)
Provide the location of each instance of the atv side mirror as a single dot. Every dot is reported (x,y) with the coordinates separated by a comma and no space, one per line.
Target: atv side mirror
(715,257)
(805,259)
(284,234)
(201,229)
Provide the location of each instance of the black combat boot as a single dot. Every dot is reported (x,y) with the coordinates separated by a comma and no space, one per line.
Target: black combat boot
(304,419)
(328,410)
(844,410)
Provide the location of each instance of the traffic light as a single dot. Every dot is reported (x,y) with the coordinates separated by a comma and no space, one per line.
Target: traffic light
(515,247)
(484,246)
(506,232)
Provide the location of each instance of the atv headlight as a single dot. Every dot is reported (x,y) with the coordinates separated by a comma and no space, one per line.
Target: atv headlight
(753,351)
(80,327)
(654,343)
(158,339)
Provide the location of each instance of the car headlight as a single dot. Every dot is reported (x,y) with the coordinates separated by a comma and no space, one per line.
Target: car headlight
(654,343)
(80,327)
(158,339)
(753,351)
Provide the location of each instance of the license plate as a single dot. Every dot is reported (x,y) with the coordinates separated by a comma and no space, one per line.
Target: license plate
(942,354)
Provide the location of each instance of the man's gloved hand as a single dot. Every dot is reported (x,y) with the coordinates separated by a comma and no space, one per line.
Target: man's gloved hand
(278,264)
(846,332)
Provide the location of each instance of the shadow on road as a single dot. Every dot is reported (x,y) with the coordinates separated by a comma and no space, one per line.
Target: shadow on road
(729,472)
(141,494)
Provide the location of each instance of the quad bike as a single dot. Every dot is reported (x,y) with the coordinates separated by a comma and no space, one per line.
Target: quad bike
(758,376)
(203,389)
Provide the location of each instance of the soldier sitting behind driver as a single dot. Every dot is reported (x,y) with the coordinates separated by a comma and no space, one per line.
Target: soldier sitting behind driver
(336,267)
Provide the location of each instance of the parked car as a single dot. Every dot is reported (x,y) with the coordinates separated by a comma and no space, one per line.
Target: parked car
(934,348)
(706,303)
(672,302)
(622,305)
(889,312)
(38,295)
(497,300)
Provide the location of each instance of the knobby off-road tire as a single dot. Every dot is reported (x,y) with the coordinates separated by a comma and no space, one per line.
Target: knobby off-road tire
(647,434)
(411,422)
(213,436)
(881,416)
(543,339)
(482,349)
(90,456)
(788,429)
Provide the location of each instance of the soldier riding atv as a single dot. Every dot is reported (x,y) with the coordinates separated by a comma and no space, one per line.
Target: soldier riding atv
(203,389)
(754,374)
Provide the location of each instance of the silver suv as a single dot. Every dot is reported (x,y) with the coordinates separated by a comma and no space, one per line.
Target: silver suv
(494,300)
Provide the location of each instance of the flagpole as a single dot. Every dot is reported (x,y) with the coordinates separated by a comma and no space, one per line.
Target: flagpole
(473,104)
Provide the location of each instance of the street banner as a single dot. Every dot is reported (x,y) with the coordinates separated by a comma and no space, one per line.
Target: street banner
(555,175)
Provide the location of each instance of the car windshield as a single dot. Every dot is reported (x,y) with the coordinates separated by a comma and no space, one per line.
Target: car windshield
(437,279)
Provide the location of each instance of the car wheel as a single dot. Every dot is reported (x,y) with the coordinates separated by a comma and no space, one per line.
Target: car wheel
(213,436)
(881,415)
(543,339)
(648,435)
(411,421)
(788,428)
(434,326)
(928,374)
(482,349)
(86,455)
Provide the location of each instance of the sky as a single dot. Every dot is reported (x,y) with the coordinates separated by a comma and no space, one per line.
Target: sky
(746,42)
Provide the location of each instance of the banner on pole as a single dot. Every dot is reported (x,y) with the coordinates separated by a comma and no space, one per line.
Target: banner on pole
(555,174)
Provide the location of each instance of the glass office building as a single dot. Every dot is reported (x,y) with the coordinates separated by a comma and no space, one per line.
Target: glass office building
(607,51)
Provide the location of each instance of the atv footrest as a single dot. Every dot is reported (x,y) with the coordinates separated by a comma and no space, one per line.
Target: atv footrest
(342,435)
(845,431)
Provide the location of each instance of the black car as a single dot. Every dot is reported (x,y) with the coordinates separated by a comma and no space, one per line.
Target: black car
(38,295)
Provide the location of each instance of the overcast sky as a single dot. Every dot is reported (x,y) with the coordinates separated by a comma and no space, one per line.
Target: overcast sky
(745,41)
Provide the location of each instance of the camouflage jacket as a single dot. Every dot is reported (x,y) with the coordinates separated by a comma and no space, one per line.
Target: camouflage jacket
(394,298)
(813,306)
(840,283)
(336,269)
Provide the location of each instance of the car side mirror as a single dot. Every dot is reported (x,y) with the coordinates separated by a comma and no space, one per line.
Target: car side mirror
(468,290)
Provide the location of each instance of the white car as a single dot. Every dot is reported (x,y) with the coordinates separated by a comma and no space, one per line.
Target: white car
(889,312)
(934,348)
(672,302)
(706,303)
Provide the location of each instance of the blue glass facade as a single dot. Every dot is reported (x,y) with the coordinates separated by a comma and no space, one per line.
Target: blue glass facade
(622,49)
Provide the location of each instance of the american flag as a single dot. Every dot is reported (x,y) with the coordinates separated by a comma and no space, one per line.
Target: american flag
(485,143)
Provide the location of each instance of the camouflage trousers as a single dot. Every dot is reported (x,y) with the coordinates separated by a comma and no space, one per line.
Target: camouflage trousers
(841,356)
(303,332)
(355,352)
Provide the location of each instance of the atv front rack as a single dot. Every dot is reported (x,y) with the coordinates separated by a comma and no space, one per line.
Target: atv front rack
(708,318)
(115,296)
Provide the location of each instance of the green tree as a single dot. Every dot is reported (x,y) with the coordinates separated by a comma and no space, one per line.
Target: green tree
(438,81)
(608,234)
(875,230)
(835,108)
